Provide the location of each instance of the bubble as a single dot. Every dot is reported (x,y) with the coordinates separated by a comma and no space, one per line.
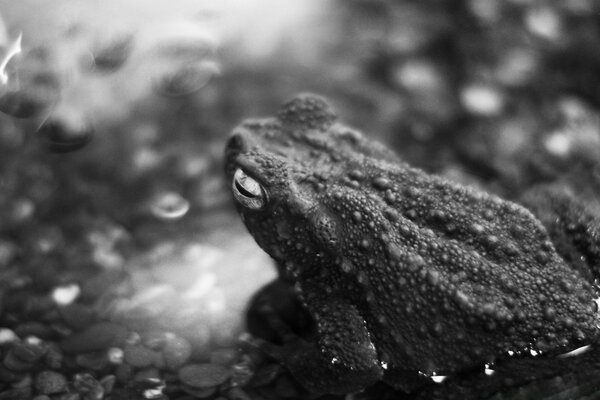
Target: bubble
(113,54)
(169,206)
(66,132)
(186,79)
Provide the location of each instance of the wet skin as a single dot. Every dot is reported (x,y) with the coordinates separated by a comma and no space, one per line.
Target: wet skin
(407,275)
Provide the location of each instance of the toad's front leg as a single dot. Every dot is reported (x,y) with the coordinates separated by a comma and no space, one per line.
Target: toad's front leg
(341,358)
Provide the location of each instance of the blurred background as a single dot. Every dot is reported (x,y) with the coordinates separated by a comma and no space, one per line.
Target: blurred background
(121,257)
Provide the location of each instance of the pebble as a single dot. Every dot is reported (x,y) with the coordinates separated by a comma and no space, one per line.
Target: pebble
(124,373)
(7,336)
(156,339)
(96,361)
(145,374)
(8,376)
(50,382)
(22,357)
(85,384)
(108,383)
(34,328)
(203,375)
(77,316)
(223,356)
(16,394)
(54,357)
(177,352)
(200,393)
(237,393)
(151,388)
(138,356)
(99,336)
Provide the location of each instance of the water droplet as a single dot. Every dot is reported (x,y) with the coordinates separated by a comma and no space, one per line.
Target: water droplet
(347,266)
(477,228)
(169,206)
(382,183)
(550,313)
(578,351)
(356,174)
(438,378)
(12,50)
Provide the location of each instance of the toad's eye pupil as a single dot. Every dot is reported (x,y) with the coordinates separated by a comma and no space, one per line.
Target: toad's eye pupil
(247,191)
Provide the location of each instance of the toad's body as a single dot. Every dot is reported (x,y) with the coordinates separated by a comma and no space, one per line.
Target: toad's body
(406,274)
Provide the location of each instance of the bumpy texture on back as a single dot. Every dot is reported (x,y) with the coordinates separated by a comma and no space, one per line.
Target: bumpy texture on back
(443,277)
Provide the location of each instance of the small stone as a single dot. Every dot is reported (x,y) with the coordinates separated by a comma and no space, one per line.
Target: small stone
(223,356)
(96,361)
(176,352)
(67,294)
(16,394)
(7,336)
(138,355)
(285,387)
(156,340)
(147,373)
(54,357)
(97,337)
(50,382)
(151,388)
(200,393)
(108,383)
(8,376)
(124,373)
(77,316)
(87,386)
(115,355)
(243,374)
(203,375)
(237,393)
(22,357)
(34,328)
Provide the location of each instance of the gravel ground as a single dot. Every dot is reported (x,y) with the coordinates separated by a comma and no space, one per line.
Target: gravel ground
(124,272)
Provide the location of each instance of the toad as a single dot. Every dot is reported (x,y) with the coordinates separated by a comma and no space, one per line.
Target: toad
(408,276)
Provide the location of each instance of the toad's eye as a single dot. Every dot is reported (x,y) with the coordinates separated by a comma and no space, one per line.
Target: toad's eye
(248,192)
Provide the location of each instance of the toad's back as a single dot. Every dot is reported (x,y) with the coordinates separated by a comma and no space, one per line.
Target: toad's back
(442,276)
